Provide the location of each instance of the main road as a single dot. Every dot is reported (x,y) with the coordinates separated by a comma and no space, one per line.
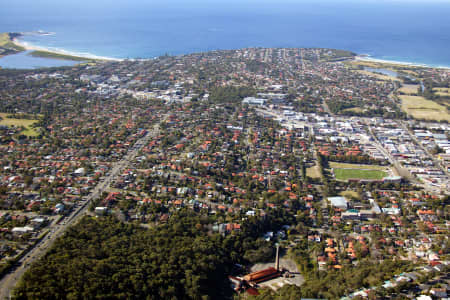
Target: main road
(398,167)
(10,280)
(413,136)
(402,171)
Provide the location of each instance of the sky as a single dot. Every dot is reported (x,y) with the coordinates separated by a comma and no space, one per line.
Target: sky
(99,6)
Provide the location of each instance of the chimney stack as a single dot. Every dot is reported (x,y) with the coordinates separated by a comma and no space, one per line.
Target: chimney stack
(277,258)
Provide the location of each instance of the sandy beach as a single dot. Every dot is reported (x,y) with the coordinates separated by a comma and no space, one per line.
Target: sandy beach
(392,62)
(30,47)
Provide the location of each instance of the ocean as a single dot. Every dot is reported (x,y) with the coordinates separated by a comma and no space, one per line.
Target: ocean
(398,30)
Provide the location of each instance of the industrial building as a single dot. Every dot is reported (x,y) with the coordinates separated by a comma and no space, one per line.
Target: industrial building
(250,282)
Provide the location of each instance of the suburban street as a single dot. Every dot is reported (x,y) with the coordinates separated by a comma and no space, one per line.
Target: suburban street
(56,230)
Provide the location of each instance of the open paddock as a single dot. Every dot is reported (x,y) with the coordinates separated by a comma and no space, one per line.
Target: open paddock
(354,109)
(378,76)
(313,172)
(409,89)
(421,108)
(350,194)
(445,92)
(27,123)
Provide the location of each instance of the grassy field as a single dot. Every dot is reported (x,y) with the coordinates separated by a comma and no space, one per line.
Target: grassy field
(4,38)
(421,108)
(313,172)
(411,70)
(5,42)
(350,194)
(344,171)
(46,54)
(379,76)
(354,109)
(345,174)
(29,130)
(365,63)
(409,89)
(408,71)
(336,55)
(7,46)
(386,65)
(442,91)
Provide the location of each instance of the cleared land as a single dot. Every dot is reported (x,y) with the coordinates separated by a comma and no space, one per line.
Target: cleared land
(365,63)
(350,194)
(313,172)
(409,89)
(386,65)
(354,109)
(400,68)
(27,123)
(285,263)
(407,71)
(442,91)
(421,108)
(379,76)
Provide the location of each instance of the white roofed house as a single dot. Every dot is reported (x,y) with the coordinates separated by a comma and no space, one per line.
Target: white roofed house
(391,210)
(101,211)
(254,101)
(22,230)
(80,172)
(339,202)
(38,222)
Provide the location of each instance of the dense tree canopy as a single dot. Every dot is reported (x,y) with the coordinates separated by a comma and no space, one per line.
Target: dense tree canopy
(104,258)
(183,259)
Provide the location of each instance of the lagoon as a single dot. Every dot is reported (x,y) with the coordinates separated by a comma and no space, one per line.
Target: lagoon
(24,60)
(382,71)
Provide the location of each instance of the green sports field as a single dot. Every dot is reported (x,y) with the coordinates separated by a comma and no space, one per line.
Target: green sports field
(345,174)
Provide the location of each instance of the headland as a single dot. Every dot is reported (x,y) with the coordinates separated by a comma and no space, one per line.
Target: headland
(10,44)
(38,51)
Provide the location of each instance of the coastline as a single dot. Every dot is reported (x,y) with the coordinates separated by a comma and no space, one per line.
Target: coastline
(362,57)
(47,52)
(60,52)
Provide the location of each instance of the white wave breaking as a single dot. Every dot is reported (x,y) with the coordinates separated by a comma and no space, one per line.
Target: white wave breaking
(87,55)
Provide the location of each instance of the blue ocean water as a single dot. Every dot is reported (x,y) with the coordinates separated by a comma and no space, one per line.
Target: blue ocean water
(400,30)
